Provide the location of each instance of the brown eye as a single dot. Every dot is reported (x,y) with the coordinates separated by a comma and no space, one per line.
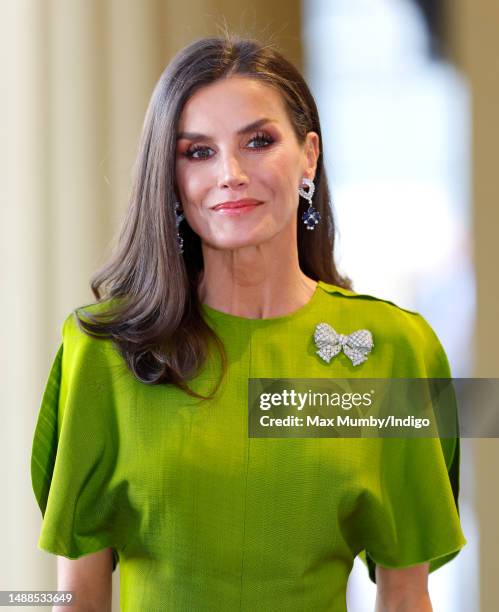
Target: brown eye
(262,140)
(261,137)
(191,151)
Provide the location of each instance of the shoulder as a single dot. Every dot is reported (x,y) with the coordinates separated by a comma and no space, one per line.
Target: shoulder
(72,328)
(81,346)
(408,328)
(373,306)
(365,300)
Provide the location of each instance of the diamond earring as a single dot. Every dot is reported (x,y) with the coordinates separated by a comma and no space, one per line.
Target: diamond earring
(178,218)
(310,217)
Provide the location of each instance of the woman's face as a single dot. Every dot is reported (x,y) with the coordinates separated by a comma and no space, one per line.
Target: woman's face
(222,155)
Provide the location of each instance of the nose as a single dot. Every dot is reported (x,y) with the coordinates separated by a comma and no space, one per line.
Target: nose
(231,173)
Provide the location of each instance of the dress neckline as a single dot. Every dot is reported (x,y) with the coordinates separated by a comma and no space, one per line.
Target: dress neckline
(219,315)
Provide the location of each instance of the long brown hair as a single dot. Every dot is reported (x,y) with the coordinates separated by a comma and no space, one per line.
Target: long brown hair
(153,313)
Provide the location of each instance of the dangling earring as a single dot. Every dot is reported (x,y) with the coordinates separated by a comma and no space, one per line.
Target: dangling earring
(310,217)
(178,218)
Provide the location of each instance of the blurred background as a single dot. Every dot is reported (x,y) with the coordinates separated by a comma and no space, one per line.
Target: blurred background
(408,93)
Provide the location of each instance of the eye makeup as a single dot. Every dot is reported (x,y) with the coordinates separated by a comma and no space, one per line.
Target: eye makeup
(260,136)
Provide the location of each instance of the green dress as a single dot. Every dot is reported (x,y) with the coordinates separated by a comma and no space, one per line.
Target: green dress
(203,518)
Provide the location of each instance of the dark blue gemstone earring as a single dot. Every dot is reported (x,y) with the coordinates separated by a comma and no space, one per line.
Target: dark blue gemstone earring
(310,217)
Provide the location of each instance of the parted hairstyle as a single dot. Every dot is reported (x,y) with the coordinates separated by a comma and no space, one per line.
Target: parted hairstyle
(153,313)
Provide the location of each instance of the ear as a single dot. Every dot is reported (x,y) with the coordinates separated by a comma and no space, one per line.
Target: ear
(312,152)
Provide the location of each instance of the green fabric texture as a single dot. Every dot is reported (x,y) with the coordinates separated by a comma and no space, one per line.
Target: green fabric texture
(202,517)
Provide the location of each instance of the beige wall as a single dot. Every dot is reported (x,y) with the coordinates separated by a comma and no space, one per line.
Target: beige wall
(473,39)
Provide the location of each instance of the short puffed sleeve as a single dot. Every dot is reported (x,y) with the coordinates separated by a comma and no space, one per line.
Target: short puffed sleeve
(408,512)
(75,451)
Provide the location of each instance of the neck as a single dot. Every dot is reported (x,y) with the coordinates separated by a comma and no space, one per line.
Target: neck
(252,282)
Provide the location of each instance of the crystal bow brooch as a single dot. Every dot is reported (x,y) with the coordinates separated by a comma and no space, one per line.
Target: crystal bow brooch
(356,345)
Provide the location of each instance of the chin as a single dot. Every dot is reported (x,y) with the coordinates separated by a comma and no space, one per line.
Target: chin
(237,244)
(236,240)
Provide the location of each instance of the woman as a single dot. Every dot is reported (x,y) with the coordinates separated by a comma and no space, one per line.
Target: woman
(224,268)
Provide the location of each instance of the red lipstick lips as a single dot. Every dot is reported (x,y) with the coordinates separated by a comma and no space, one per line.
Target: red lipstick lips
(234,204)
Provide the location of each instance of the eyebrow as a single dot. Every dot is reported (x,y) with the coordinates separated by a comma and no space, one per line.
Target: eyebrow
(244,130)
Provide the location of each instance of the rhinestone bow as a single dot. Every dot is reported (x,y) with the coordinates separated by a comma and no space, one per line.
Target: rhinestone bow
(356,345)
